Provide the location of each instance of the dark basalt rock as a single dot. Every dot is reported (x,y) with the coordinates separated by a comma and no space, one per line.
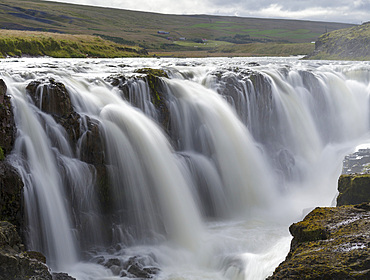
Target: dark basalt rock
(7,125)
(157,92)
(92,146)
(62,276)
(11,195)
(15,263)
(330,243)
(53,98)
(136,267)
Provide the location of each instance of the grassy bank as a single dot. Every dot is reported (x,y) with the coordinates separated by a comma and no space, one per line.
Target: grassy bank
(32,43)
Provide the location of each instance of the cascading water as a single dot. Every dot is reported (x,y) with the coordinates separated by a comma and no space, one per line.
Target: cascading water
(197,178)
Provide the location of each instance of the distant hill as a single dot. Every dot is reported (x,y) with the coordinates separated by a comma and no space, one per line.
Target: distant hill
(141,28)
(344,44)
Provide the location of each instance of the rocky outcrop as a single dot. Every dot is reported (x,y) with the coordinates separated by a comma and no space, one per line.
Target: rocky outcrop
(353,189)
(7,125)
(17,264)
(52,98)
(330,243)
(11,185)
(344,44)
(157,92)
(11,195)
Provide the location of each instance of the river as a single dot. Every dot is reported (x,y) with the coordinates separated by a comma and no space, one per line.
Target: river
(204,177)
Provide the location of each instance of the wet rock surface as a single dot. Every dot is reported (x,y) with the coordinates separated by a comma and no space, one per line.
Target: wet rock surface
(135,267)
(11,195)
(7,125)
(330,243)
(15,263)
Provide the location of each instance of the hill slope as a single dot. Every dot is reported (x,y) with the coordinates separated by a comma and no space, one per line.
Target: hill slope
(34,43)
(141,28)
(344,44)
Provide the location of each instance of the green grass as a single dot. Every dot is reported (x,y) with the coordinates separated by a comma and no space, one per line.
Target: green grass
(207,45)
(20,43)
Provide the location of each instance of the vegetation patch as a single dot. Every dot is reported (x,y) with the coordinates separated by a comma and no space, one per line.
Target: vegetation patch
(345,44)
(27,43)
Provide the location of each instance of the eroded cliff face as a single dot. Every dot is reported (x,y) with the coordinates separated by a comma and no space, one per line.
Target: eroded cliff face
(344,44)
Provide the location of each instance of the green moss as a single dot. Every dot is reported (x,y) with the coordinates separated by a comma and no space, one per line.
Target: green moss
(152,77)
(62,45)
(2,157)
(152,72)
(353,189)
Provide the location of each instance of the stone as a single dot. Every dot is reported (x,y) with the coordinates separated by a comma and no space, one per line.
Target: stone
(11,195)
(14,262)
(353,189)
(330,243)
(62,276)
(7,124)
(51,97)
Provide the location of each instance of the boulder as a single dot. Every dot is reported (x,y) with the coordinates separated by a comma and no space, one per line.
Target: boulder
(330,243)
(353,189)
(15,263)
(53,98)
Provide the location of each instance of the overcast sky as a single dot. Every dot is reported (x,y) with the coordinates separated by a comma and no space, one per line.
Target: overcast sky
(348,11)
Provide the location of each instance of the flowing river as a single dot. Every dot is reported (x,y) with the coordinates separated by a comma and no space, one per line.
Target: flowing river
(205,168)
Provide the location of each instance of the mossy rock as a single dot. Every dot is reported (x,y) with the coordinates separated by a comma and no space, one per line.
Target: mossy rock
(330,243)
(158,94)
(152,72)
(353,189)
(15,263)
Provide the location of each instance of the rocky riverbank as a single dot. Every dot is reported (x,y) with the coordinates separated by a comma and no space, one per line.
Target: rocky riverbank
(333,242)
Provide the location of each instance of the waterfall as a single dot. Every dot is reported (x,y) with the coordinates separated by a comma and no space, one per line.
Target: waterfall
(194,175)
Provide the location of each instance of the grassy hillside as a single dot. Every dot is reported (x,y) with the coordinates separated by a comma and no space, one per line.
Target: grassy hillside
(33,43)
(344,44)
(140,28)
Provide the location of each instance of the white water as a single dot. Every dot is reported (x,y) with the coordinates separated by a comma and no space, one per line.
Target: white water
(213,198)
